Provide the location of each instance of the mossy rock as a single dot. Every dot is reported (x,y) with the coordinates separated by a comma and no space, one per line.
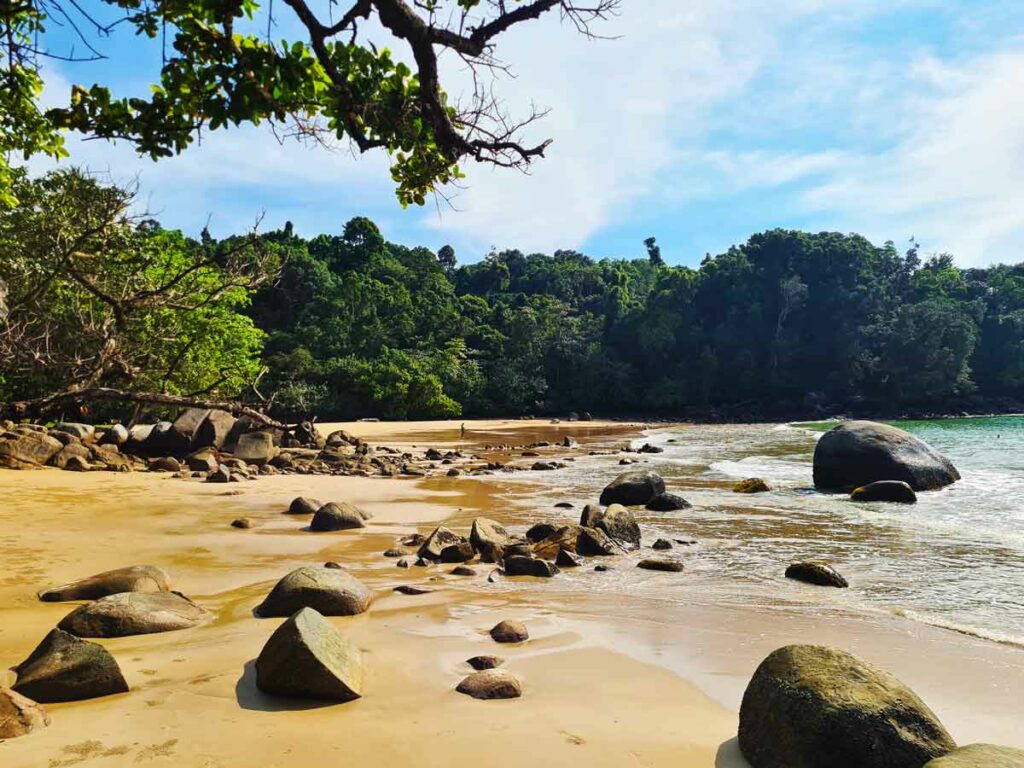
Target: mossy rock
(980,756)
(751,485)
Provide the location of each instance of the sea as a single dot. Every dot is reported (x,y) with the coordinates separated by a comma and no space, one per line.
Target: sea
(953,560)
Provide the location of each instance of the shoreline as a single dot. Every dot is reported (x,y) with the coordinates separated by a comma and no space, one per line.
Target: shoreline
(605,681)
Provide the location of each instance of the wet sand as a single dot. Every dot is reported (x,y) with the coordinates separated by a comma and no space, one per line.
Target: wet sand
(643,681)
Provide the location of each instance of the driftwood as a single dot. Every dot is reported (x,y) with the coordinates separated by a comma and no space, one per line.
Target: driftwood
(51,402)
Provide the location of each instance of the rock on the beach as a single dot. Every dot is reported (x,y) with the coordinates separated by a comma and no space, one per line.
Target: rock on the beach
(819,574)
(662,544)
(563,538)
(213,430)
(331,591)
(65,668)
(633,488)
(660,564)
(593,542)
(412,589)
(439,538)
(68,452)
(857,453)
(308,658)
(116,435)
(188,422)
(202,460)
(134,578)
(134,613)
(567,559)
(510,632)
(462,570)
(221,474)
(752,485)
(539,532)
(485,662)
(620,525)
(28,450)
(241,522)
(885,490)
(255,447)
(980,756)
(336,517)
(809,706)
(529,566)
(491,684)
(667,502)
(591,515)
(163,440)
(487,532)
(165,464)
(303,506)
(460,552)
(19,716)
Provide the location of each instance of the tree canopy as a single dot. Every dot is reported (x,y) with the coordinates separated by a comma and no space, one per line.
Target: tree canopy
(333,81)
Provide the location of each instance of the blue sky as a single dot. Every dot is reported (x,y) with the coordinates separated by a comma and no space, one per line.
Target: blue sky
(700,123)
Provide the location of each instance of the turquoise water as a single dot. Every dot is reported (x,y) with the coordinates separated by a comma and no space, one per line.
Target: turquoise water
(955,559)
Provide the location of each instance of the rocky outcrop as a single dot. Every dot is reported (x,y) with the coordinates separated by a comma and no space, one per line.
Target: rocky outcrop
(486,532)
(134,578)
(213,430)
(188,422)
(330,591)
(28,449)
(308,658)
(460,552)
(819,574)
(980,756)
(590,516)
(435,543)
(620,525)
(64,668)
(491,684)
(809,706)
(255,448)
(337,517)
(134,613)
(539,532)
(529,566)
(857,453)
(19,716)
(563,538)
(667,502)
(885,490)
(633,488)
(510,632)
(593,542)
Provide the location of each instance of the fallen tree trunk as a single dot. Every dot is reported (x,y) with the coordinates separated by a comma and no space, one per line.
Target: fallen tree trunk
(23,408)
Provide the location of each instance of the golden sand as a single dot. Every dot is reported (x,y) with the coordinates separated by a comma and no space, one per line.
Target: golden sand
(645,683)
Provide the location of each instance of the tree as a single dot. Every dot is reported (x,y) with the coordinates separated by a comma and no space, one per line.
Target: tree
(334,83)
(98,298)
(654,252)
(446,258)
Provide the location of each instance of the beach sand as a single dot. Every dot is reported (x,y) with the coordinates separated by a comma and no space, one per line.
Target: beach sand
(638,682)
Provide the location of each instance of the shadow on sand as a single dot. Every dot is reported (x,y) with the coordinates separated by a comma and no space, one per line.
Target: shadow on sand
(251,697)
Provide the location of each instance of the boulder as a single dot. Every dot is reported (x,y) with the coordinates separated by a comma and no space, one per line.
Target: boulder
(303,506)
(462,570)
(857,453)
(68,452)
(485,662)
(485,531)
(510,632)
(28,450)
(633,488)
(213,430)
(543,466)
(221,474)
(880,490)
(412,589)
(593,542)
(134,578)
(83,432)
(980,756)
(202,460)
(648,448)
(165,464)
(460,552)
(751,485)
(491,684)
(134,613)
(592,514)
(529,566)
(65,668)
(163,440)
(137,437)
(116,435)
(620,525)
(564,538)
(567,559)
(539,532)
(809,706)
(308,658)
(336,517)
(243,523)
(77,464)
(331,591)
(439,538)
(19,716)
(341,437)
(660,564)
(662,544)
(667,502)
(188,422)
(255,447)
(819,574)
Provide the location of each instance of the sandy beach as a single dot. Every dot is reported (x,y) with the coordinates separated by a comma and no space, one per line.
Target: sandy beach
(606,682)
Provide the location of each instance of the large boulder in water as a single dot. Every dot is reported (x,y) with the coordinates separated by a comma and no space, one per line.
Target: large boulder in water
(620,525)
(439,539)
(633,488)
(64,668)
(808,706)
(307,657)
(487,533)
(337,517)
(980,756)
(860,452)
(134,578)
(331,591)
(19,715)
(134,613)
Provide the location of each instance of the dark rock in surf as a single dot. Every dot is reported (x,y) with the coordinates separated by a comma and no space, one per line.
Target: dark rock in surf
(460,552)
(593,542)
(819,574)
(529,566)
(857,453)
(539,532)
(303,506)
(667,502)
(885,490)
(567,559)
(336,517)
(660,564)
(633,488)
(436,542)
(621,526)
(751,485)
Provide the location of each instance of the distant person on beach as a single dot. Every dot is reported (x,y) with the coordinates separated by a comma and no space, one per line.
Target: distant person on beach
(462,430)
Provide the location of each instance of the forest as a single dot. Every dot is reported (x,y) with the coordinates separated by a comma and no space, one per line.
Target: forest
(345,324)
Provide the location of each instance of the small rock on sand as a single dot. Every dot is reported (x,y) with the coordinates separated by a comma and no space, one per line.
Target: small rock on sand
(19,716)
(491,684)
(510,632)
(303,506)
(480,663)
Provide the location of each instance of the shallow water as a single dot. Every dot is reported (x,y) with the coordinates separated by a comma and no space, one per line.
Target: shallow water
(955,559)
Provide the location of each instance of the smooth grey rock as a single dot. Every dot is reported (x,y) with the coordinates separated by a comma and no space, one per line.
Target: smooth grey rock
(134,613)
(134,578)
(332,592)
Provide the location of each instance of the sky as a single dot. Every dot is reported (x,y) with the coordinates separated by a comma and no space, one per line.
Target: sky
(698,123)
